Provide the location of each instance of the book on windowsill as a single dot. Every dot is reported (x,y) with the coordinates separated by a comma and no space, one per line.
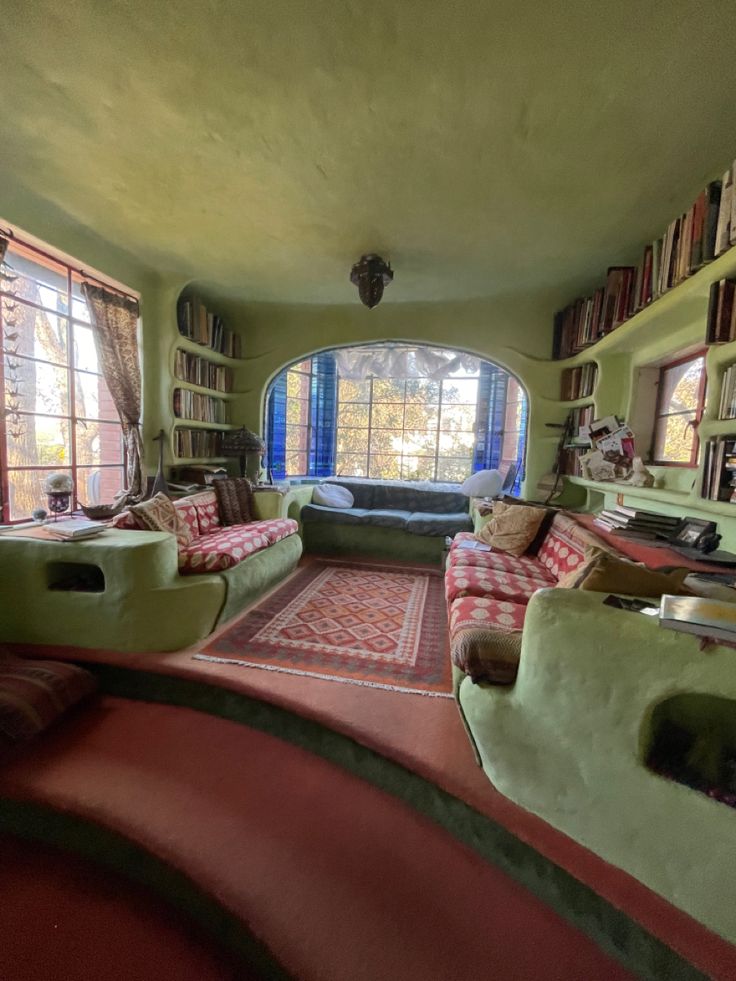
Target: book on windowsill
(73,531)
(700,616)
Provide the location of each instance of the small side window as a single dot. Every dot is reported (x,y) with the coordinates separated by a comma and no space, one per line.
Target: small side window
(679,410)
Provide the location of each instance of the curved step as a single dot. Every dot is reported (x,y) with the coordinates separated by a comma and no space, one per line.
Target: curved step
(335,877)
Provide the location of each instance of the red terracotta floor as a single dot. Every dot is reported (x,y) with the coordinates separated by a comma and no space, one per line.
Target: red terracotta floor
(340,880)
(427,736)
(63,918)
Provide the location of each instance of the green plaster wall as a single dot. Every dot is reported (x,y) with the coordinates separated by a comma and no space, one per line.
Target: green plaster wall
(513,331)
(673,326)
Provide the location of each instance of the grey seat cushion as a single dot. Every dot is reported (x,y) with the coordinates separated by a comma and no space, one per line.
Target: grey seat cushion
(403,495)
(427,523)
(388,518)
(320,514)
(378,517)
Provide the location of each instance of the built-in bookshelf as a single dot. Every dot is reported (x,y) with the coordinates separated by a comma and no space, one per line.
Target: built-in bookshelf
(578,382)
(694,239)
(197,407)
(199,444)
(202,326)
(719,469)
(204,379)
(197,370)
(727,404)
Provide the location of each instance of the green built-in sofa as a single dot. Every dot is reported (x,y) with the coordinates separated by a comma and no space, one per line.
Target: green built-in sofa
(389,518)
(132,590)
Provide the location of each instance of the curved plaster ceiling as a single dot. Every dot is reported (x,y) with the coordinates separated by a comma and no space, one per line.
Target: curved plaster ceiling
(484,148)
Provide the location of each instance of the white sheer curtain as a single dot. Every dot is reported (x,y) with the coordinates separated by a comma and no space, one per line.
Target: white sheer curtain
(401,361)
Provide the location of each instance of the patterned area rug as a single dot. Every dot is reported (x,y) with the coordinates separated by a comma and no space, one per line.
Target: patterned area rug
(353,623)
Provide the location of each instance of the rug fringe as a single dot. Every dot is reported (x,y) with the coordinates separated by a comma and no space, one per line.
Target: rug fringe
(322,677)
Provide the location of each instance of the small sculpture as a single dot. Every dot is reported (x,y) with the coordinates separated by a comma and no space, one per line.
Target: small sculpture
(58,488)
(640,476)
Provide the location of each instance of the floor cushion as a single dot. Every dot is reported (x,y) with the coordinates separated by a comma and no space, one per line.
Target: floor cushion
(34,694)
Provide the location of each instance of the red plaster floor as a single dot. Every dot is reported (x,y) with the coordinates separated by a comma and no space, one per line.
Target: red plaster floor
(63,918)
(427,736)
(340,880)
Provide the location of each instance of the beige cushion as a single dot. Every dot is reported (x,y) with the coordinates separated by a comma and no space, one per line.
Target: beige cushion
(602,572)
(512,528)
(159,514)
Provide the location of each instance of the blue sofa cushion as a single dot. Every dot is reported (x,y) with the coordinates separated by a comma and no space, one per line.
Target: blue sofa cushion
(387,518)
(427,523)
(320,514)
(403,495)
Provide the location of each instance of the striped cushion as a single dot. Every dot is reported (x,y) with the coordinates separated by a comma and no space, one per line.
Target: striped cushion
(33,694)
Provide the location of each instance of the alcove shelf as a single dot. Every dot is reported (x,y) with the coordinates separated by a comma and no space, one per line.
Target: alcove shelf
(666,317)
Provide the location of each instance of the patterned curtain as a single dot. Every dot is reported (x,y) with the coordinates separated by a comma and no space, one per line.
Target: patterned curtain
(115,328)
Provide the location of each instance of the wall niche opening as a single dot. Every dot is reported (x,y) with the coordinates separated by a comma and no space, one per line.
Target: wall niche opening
(75,577)
(693,742)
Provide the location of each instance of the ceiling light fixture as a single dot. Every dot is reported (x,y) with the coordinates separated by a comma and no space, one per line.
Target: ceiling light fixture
(371,275)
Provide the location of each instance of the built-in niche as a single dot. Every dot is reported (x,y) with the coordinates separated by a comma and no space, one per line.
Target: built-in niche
(692,740)
(75,577)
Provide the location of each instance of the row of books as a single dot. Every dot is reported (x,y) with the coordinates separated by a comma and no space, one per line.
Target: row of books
(727,407)
(581,419)
(695,238)
(570,460)
(628,522)
(200,408)
(189,443)
(191,368)
(578,382)
(721,322)
(198,324)
(719,469)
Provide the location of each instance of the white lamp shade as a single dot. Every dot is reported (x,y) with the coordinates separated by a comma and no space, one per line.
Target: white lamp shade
(483,483)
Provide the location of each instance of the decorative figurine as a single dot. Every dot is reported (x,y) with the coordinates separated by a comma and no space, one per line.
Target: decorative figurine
(58,488)
(640,476)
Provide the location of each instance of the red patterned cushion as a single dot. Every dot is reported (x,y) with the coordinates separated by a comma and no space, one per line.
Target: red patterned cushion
(33,694)
(225,547)
(188,514)
(208,516)
(277,528)
(524,565)
(126,519)
(485,638)
(473,581)
(563,548)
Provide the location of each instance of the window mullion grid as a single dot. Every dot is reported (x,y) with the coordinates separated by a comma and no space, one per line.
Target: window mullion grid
(439,429)
(370,426)
(72,387)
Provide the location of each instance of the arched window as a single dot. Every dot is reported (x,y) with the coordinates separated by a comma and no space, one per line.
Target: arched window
(394,411)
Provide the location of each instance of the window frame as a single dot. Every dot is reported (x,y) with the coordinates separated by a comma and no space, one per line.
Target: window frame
(307,427)
(699,410)
(436,456)
(61,265)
